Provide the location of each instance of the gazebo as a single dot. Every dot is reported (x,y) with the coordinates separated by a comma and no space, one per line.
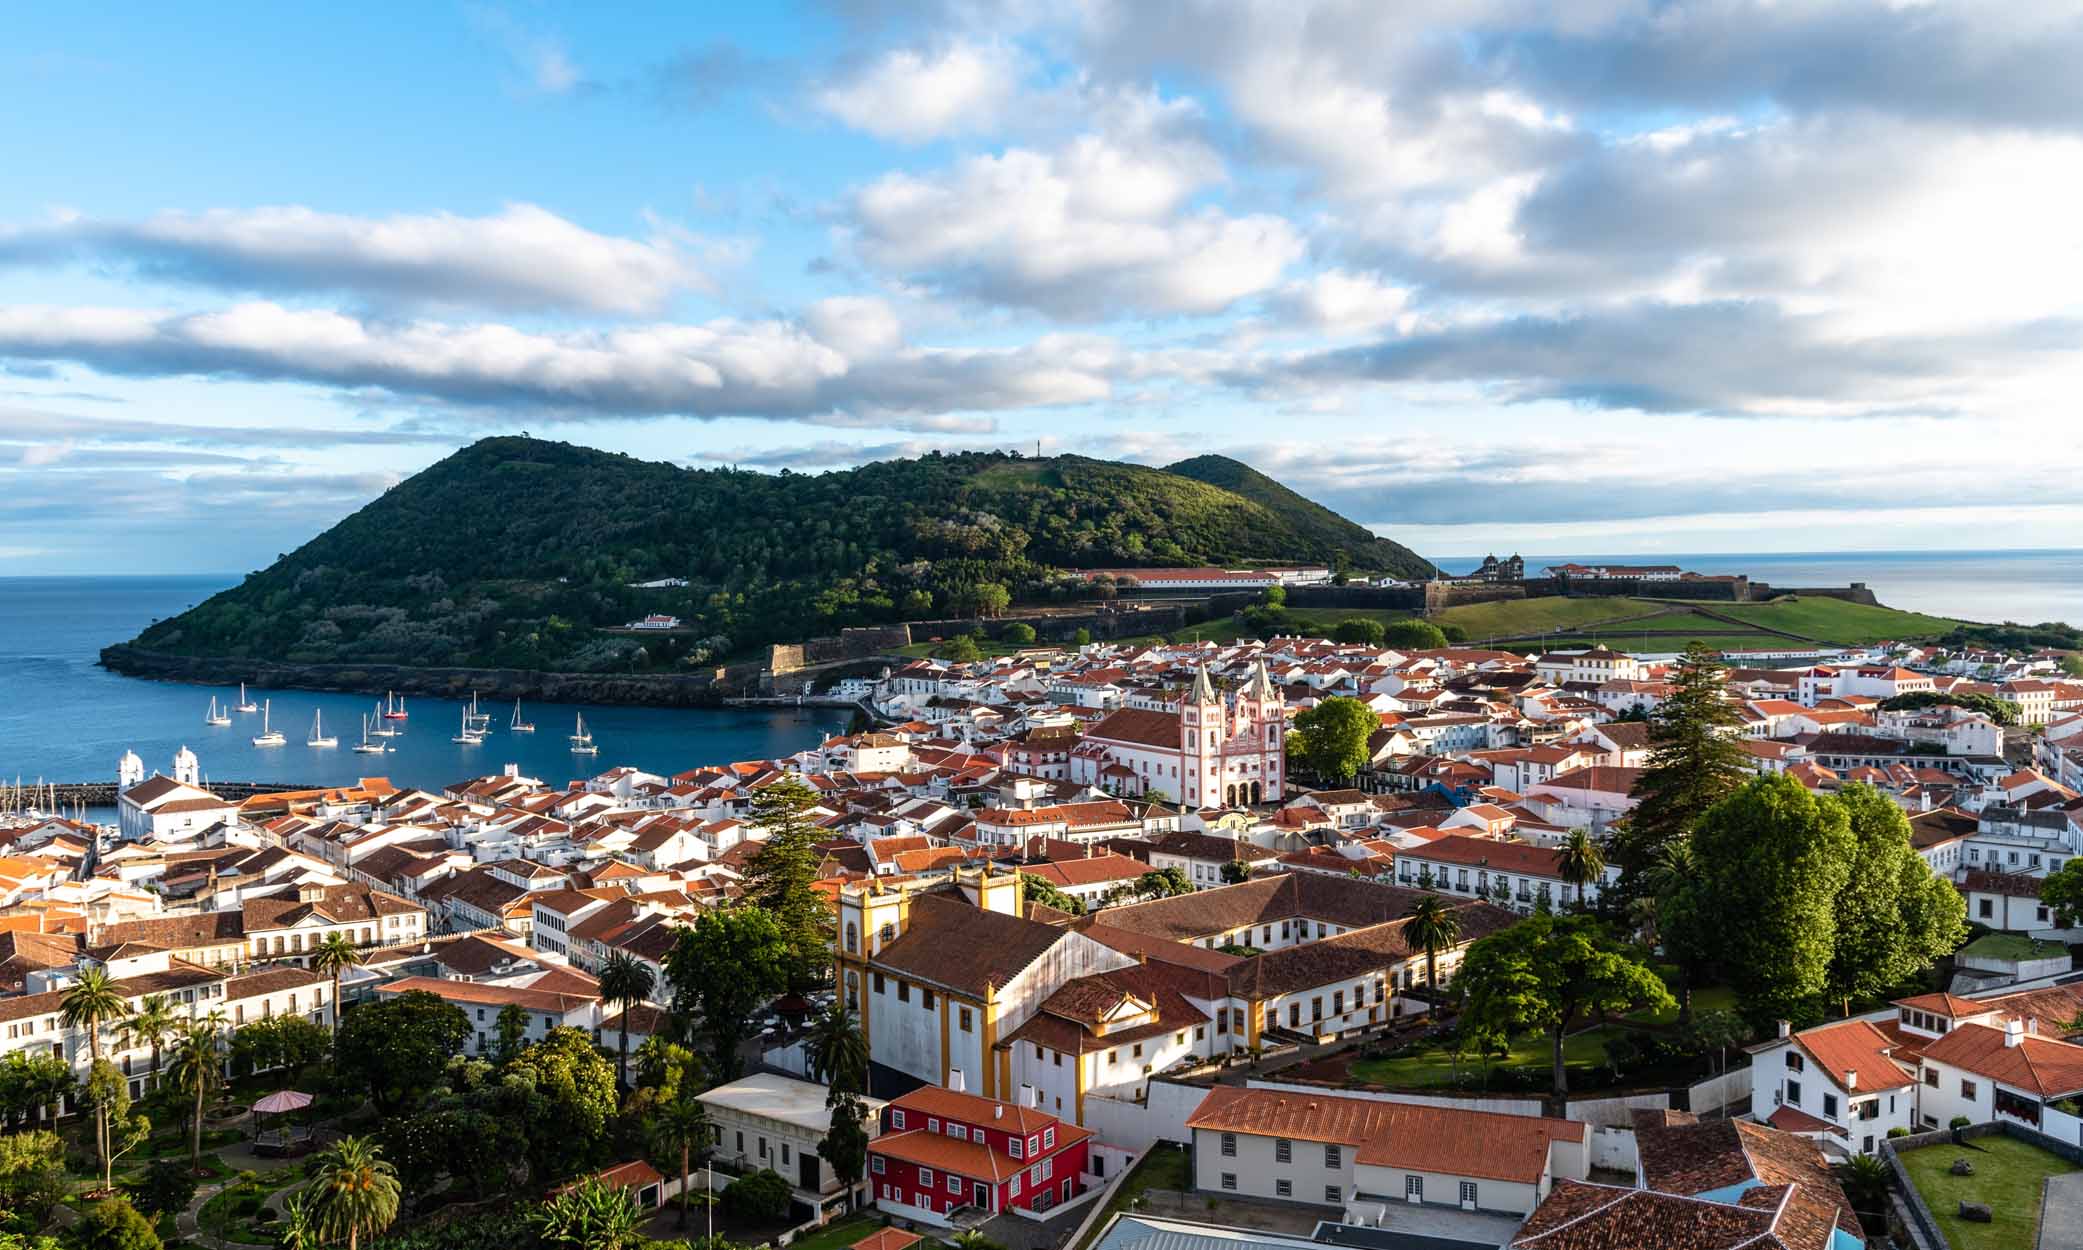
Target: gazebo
(283,1138)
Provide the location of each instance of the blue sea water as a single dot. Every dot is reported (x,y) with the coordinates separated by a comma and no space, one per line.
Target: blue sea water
(2024,586)
(63,718)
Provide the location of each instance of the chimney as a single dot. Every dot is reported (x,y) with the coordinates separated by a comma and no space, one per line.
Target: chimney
(1851,1081)
(1786,1028)
(998,1111)
(2013,1031)
(954,1079)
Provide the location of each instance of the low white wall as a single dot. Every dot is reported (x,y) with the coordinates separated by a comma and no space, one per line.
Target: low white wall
(1615,1148)
(1136,1126)
(1717,1092)
(1616,1112)
(2061,1126)
(1505,1106)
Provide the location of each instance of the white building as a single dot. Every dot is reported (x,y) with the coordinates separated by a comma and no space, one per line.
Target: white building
(770,1121)
(1840,1085)
(1213,751)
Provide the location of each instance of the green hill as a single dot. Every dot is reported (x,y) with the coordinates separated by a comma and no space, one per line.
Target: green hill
(1305,516)
(517,552)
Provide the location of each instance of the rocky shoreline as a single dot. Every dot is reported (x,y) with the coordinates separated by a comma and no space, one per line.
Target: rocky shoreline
(710,688)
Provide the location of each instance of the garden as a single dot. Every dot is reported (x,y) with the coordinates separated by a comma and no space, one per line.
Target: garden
(2006,1178)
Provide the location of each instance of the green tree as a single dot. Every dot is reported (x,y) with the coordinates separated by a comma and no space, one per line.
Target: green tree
(397,1048)
(625,981)
(680,1127)
(291,1043)
(837,1050)
(1359,629)
(197,1071)
(1163,883)
(1081,637)
(781,876)
(1330,739)
(1019,633)
(724,969)
(165,1187)
(92,1002)
(154,1021)
(2062,890)
(116,1131)
(1695,759)
(509,1033)
(1682,923)
(298,1229)
(1772,861)
(1895,917)
(591,1215)
(560,1093)
(1866,1181)
(1413,635)
(1236,872)
(334,955)
(844,1147)
(760,1197)
(32,1175)
(1035,890)
(113,1224)
(1275,596)
(960,649)
(1549,973)
(354,1190)
(2072,664)
(30,1083)
(1434,926)
(1580,861)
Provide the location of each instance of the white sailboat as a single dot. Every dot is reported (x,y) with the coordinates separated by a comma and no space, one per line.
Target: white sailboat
(366,747)
(468,737)
(318,737)
(216,715)
(245,704)
(582,742)
(268,737)
(383,728)
(517,725)
(480,722)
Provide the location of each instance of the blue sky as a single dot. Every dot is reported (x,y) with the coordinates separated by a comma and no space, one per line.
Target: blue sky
(1637,277)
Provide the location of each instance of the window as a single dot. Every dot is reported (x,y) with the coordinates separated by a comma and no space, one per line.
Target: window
(1931,1077)
(1331,1194)
(1414,1187)
(926,1177)
(1049,1139)
(1034,1144)
(875,1164)
(932,1124)
(878,983)
(966,1020)
(1014,1188)
(1870,1110)
(1334,1157)
(784,1154)
(1830,1106)
(925,998)
(1136,1051)
(1284,1188)
(1967,1088)
(1794,1062)
(896,1119)
(954,1184)
(1988,909)
(1793,1092)
(961,1132)
(1015,1148)
(1229,1180)
(903,990)
(1229,1145)
(1283,1150)
(1467,1193)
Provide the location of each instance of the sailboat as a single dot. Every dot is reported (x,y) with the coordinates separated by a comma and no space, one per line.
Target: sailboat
(366,747)
(394,707)
(267,737)
(468,737)
(480,722)
(216,716)
(245,704)
(517,725)
(582,742)
(382,729)
(318,738)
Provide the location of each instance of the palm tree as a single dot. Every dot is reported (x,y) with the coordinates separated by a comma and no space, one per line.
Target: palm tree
(335,954)
(299,1227)
(1580,861)
(150,1025)
(89,1003)
(591,1215)
(197,1070)
(837,1051)
(681,1125)
(1433,925)
(1867,1177)
(354,1190)
(624,980)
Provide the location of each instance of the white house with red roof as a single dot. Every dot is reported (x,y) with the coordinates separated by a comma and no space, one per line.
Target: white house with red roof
(1842,1085)
(1510,874)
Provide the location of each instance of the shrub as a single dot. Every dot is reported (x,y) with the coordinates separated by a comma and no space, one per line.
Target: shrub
(165,1186)
(1959,1121)
(113,1224)
(1898,1131)
(1019,633)
(763,1197)
(1413,635)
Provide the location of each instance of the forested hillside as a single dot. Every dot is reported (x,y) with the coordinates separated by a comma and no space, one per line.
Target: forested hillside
(516,552)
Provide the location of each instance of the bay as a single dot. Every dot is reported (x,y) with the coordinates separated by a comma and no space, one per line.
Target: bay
(63,718)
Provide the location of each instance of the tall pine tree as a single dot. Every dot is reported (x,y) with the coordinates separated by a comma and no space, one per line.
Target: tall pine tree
(779,879)
(1695,761)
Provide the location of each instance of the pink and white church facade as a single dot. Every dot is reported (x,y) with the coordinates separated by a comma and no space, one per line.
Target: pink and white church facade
(1214,750)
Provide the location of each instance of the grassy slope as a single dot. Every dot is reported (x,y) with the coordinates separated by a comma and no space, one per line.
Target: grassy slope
(1307,516)
(1528,616)
(1838,620)
(2007,1178)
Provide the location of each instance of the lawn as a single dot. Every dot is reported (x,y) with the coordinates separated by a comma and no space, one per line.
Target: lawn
(1506,617)
(1435,1066)
(2012,946)
(1837,620)
(1706,998)
(2007,1179)
(1164,1167)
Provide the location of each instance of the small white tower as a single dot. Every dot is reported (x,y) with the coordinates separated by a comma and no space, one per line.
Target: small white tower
(186,770)
(129,771)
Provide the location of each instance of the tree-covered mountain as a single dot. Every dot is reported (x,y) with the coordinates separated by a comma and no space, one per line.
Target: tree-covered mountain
(515,552)
(1305,516)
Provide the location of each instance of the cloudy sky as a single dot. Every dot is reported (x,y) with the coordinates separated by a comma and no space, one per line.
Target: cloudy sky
(1599,276)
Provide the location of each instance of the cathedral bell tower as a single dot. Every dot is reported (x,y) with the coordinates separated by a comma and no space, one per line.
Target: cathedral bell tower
(1202,729)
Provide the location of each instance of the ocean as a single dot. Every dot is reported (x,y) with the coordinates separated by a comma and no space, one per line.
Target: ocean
(63,718)
(2023,586)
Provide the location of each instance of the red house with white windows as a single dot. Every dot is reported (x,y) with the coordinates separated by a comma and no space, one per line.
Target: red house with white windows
(941,1149)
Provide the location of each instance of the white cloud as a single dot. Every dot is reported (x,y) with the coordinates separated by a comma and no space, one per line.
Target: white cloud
(915,96)
(523,256)
(1343,302)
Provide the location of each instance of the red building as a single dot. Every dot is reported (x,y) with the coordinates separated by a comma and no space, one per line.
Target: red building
(941,1149)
